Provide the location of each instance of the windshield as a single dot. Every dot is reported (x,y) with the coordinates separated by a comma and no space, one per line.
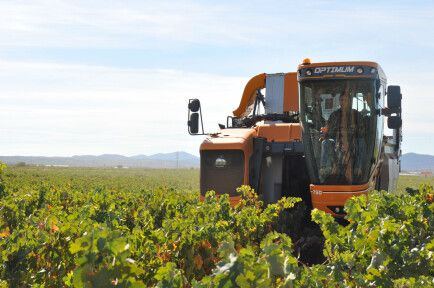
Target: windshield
(339,129)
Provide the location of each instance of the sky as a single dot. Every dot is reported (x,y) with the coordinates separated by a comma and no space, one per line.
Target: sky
(97,77)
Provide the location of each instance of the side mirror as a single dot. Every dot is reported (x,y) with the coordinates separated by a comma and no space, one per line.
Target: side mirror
(193,123)
(194,105)
(394,122)
(194,113)
(394,97)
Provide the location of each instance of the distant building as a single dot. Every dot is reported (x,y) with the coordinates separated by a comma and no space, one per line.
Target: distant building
(426,173)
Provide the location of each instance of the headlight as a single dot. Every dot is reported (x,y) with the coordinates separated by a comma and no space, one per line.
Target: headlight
(359,70)
(220,162)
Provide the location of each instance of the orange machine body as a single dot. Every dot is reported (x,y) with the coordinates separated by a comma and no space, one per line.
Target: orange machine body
(273,144)
(271,132)
(232,139)
(242,139)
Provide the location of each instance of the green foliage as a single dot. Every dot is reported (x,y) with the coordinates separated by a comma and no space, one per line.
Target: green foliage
(70,228)
(388,242)
(140,228)
(2,186)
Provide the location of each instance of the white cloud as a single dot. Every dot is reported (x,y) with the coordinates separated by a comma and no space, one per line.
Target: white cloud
(164,24)
(62,109)
(119,24)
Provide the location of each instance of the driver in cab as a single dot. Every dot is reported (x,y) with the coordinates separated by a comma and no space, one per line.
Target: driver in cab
(339,144)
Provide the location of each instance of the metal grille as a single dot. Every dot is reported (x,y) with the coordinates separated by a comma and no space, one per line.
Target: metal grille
(221,171)
(274,93)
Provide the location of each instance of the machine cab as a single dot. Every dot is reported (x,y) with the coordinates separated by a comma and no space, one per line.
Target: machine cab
(341,112)
(340,109)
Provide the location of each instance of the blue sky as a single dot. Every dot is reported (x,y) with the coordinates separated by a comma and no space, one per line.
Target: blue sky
(94,77)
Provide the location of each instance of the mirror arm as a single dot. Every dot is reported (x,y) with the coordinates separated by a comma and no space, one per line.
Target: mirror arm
(386,111)
(389,111)
(198,110)
(201,121)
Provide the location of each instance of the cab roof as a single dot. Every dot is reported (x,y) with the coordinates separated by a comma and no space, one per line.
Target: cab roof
(308,64)
(343,63)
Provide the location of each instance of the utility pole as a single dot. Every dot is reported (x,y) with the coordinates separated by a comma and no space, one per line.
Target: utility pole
(177,159)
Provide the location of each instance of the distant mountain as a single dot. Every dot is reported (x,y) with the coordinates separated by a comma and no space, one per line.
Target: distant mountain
(410,161)
(139,157)
(182,156)
(161,160)
(177,157)
(417,162)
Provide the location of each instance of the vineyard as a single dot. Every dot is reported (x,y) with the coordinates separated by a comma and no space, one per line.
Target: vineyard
(65,227)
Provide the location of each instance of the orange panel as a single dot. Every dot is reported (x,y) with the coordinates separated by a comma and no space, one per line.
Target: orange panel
(335,195)
(233,139)
(279,132)
(257,82)
(339,188)
(229,139)
(290,99)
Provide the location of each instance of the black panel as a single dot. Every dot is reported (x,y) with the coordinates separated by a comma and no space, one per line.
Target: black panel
(221,178)
(295,177)
(394,97)
(256,163)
